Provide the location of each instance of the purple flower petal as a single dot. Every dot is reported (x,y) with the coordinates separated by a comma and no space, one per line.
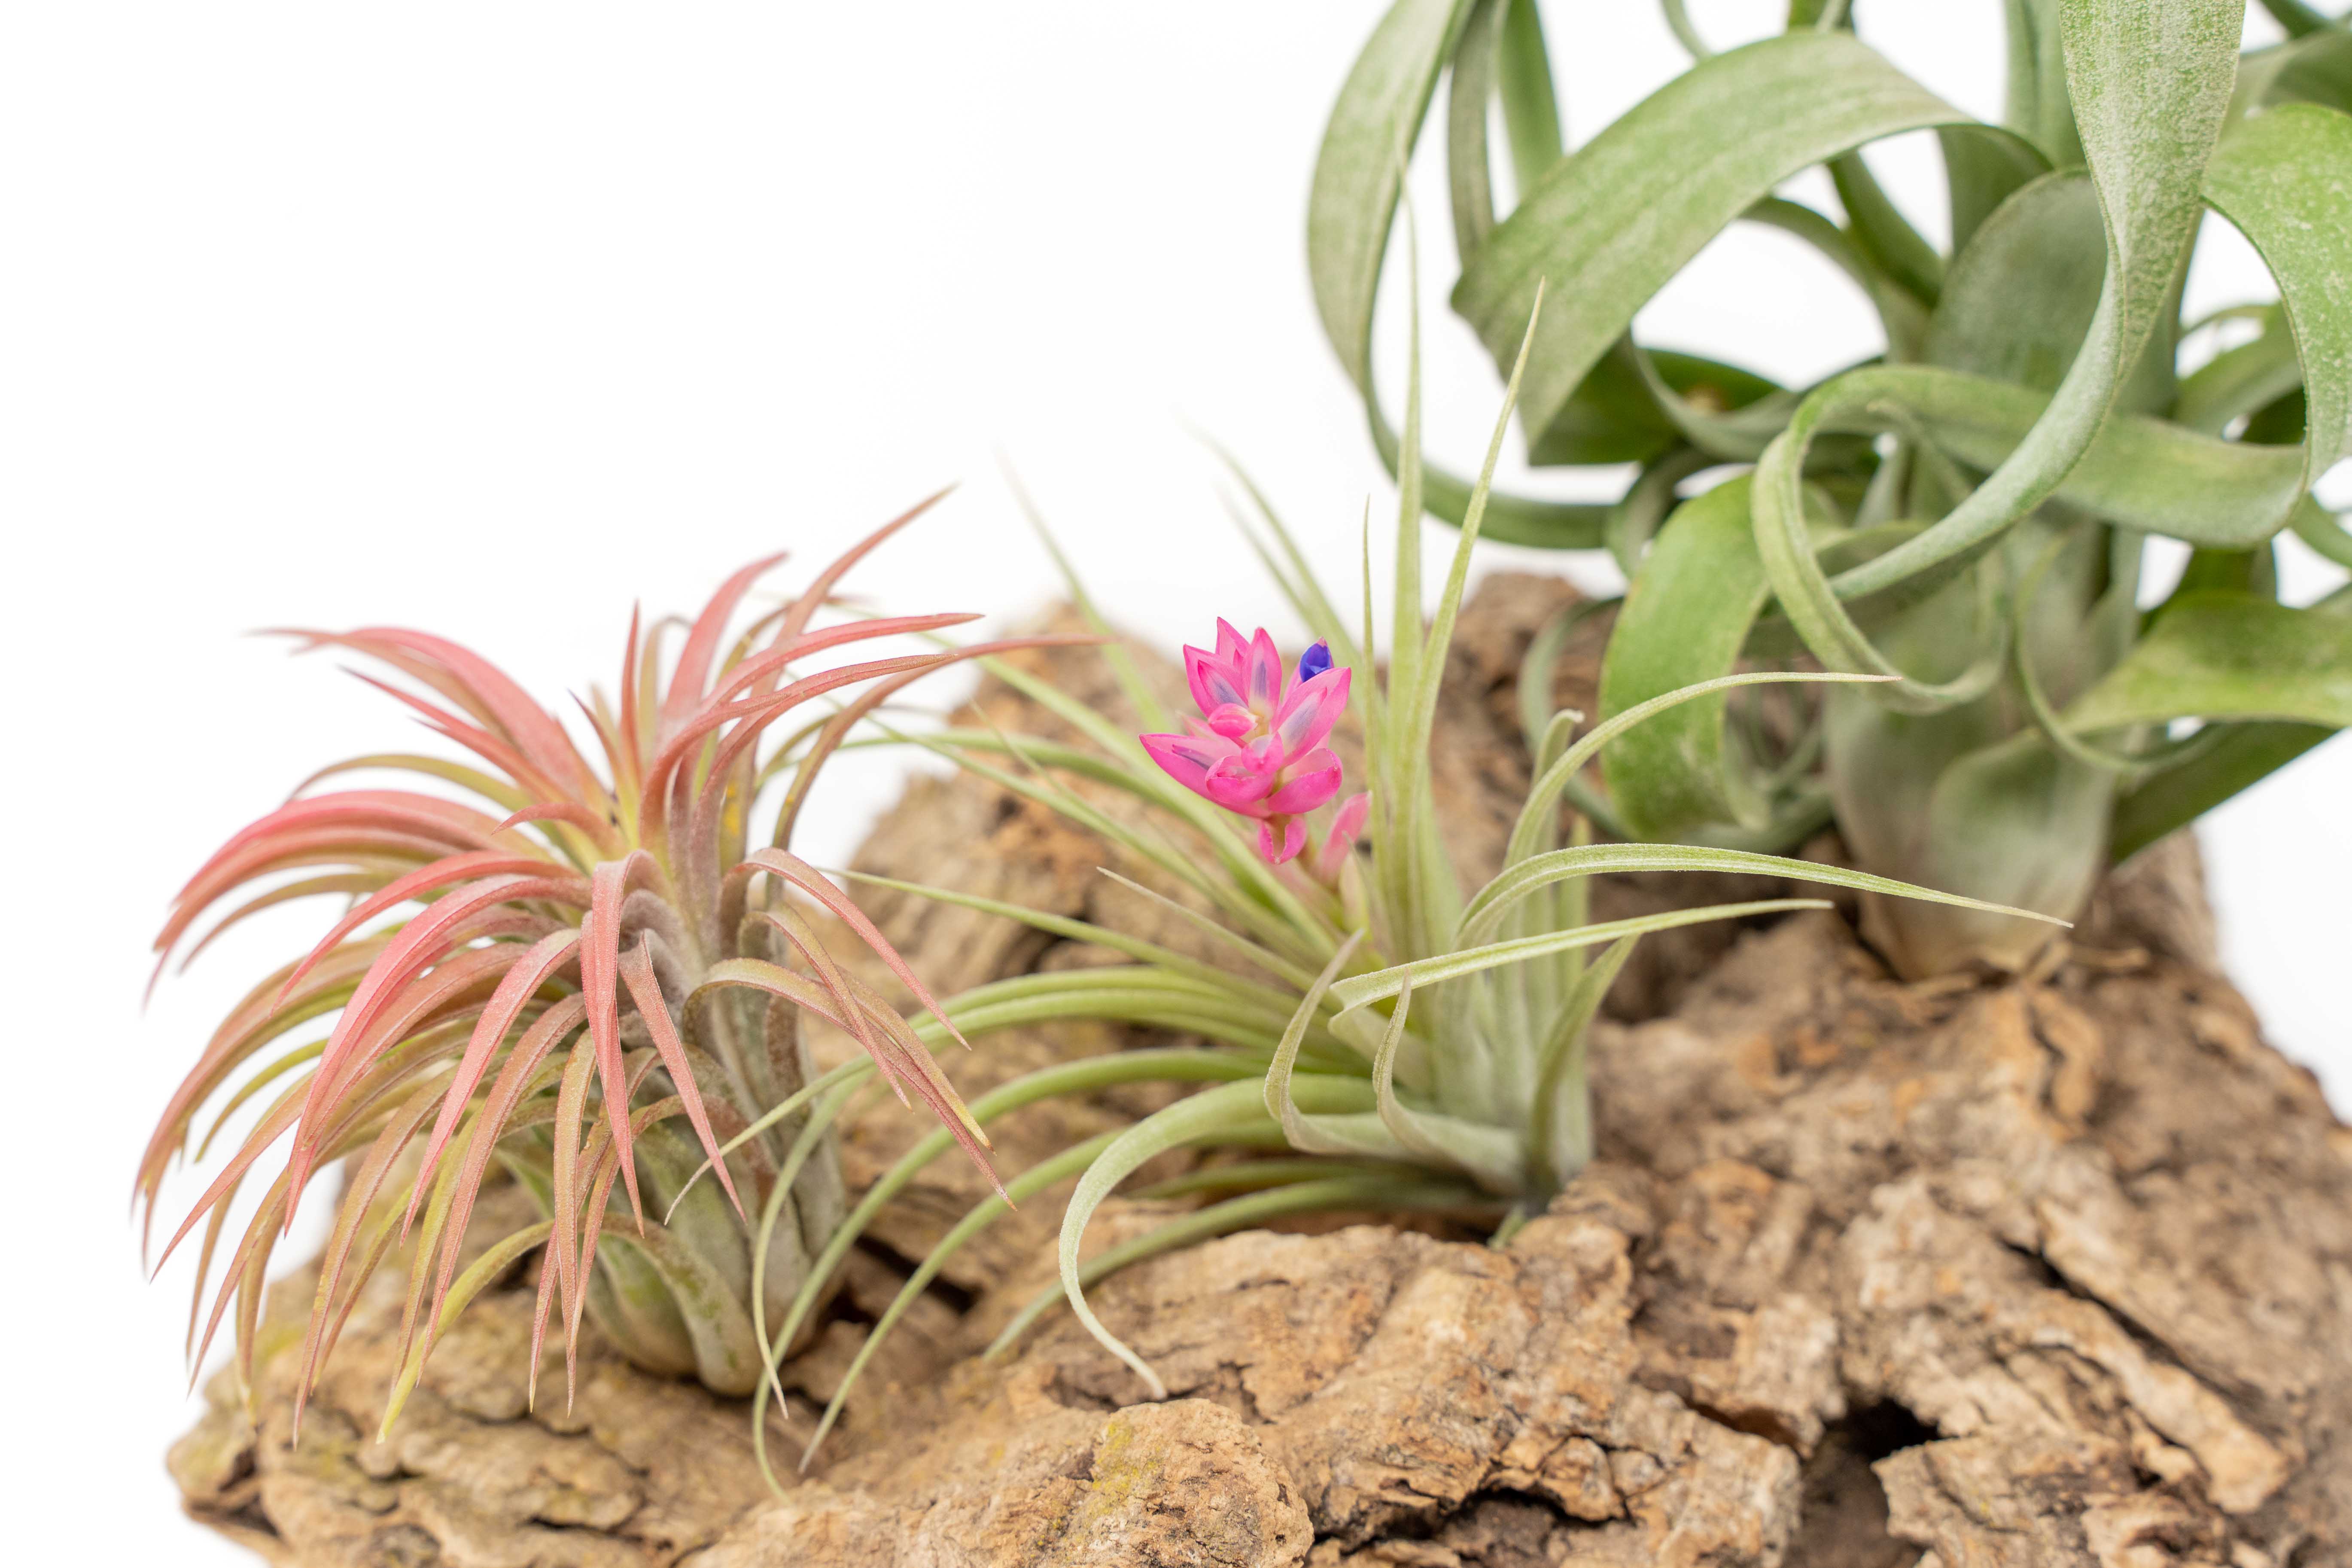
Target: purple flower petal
(1313,780)
(1294,840)
(1232,648)
(1186,759)
(1308,714)
(1232,721)
(1216,682)
(1240,782)
(1341,840)
(1266,674)
(1314,661)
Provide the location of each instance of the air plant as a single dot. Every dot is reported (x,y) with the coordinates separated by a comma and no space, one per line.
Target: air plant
(1388,1038)
(1969,514)
(588,977)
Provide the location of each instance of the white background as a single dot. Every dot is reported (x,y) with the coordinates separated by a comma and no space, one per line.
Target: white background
(492,318)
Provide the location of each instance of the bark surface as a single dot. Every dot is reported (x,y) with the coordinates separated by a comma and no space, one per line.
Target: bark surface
(2055,1270)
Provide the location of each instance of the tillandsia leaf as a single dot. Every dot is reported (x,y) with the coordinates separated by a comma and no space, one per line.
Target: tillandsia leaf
(1070,1077)
(2150,108)
(1249,1175)
(2242,756)
(2284,178)
(1760,113)
(478,1275)
(1561,1131)
(2220,656)
(1223,1113)
(1343,1134)
(1054,1168)
(1685,618)
(2241,382)
(1491,1157)
(1557,778)
(1072,929)
(1357,184)
(1362,990)
(1242,947)
(835,731)
(1379,1193)
(2298,18)
(1359,176)
(1138,692)
(1486,911)
(1264,923)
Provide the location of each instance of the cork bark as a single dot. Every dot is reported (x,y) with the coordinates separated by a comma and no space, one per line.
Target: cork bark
(2047,1270)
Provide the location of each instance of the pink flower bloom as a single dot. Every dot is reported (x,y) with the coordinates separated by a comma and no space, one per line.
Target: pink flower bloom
(1257,748)
(1341,840)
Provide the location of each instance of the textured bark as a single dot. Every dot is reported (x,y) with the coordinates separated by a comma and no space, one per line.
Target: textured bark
(2054,1271)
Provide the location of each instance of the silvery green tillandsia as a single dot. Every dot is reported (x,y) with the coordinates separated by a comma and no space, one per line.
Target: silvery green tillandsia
(1970,513)
(1393,1038)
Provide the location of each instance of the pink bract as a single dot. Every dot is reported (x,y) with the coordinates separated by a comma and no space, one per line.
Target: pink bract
(1257,750)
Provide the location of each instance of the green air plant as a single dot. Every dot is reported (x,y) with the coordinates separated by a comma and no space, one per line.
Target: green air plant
(587,976)
(1390,1038)
(1970,513)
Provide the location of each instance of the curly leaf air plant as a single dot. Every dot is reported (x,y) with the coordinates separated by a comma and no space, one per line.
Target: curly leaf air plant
(588,977)
(1969,513)
(1394,1040)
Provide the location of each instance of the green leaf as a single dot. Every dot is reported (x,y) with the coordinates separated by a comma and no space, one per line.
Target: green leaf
(2313,69)
(988,1211)
(1213,1113)
(2020,297)
(1362,990)
(1359,173)
(2012,821)
(2219,656)
(1885,235)
(1684,619)
(2284,178)
(492,1265)
(2241,382)
(2143,473)
(1494,1157)
(2243,756)
(1486,913)
(2299,19)
(1342,1192)
(1616,219)
(2038,108)
(1530,104)
(2150,89)
(1560,1131)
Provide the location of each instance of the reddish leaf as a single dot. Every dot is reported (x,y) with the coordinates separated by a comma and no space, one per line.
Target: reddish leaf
(693,672)
(637,968)
(600,957)
(796,618)
(475,684)
(429,879)
(546,958)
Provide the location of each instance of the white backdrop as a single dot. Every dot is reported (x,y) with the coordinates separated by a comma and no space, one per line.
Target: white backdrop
(493,317)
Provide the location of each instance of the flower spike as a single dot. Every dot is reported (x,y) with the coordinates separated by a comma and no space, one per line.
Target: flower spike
(1257,748)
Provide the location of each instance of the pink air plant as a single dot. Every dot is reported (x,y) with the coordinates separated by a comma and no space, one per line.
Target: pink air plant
(590,974)
(1257,748)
